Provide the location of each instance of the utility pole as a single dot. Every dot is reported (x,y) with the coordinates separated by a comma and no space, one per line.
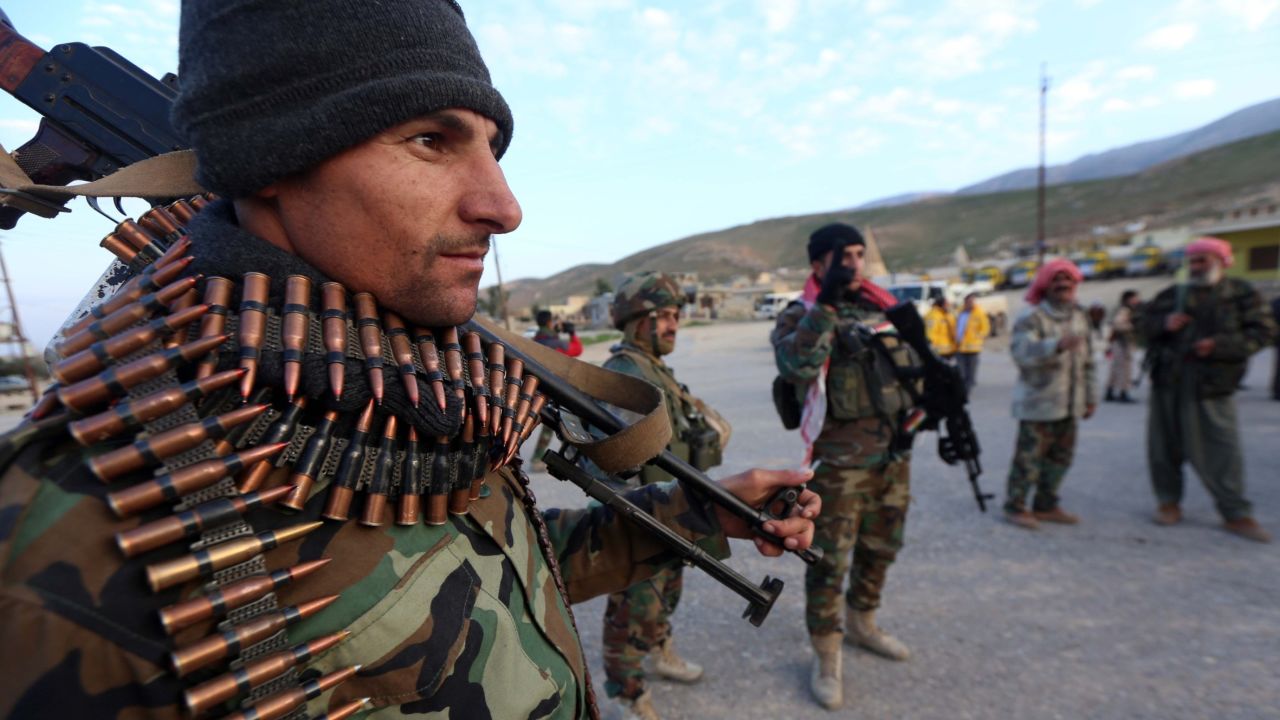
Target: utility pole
(502,293)
(1044,91)
(16,335)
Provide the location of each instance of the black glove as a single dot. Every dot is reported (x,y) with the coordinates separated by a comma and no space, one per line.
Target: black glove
(567,328)
(837,279)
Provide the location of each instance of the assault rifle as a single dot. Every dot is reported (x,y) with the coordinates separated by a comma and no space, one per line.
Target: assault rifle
(943,400)
(99,111)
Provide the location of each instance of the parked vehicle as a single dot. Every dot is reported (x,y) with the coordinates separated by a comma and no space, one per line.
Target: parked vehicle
(1021,273)
(1146,260)
(1098,264)
(923,293)
(768,307)
(987,273)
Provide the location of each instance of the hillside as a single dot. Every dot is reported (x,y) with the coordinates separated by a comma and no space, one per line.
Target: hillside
(1195,187)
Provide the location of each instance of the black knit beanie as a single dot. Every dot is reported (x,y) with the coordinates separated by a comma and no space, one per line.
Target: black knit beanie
(270,88)
(824,239)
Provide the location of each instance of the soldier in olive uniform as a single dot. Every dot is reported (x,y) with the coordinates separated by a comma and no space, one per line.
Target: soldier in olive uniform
(1201,334)
(370,166)
(853,410)
(637,627)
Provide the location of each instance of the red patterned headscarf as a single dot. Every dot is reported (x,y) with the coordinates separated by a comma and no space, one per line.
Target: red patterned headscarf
(1212,246)
(1044,276)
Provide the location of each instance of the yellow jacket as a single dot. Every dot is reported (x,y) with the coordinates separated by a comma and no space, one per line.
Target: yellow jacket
(975,331)
(940,328)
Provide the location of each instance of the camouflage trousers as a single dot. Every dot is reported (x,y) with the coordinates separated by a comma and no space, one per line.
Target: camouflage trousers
(636,621)
(1041,458)
(864,513)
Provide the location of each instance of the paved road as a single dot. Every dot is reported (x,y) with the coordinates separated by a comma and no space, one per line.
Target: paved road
(1115,618)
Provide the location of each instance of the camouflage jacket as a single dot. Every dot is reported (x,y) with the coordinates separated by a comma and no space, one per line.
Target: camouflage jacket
(1231,312)
(864,403)
(631,360)
(1052,385)
(464,618)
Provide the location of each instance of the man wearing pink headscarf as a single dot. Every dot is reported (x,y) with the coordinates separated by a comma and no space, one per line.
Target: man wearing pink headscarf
(1200,333)
(1057,384)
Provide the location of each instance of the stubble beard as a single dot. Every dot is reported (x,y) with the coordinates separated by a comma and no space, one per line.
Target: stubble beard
(440,302)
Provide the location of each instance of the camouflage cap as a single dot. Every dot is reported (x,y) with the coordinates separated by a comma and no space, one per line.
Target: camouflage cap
(643,293)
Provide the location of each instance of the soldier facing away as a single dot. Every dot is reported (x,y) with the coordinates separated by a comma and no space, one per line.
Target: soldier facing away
(1052,346)
(853,407)
(1200,334)
(369,167)
(637,621)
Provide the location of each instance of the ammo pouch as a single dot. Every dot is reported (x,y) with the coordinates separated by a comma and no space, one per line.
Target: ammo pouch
(863,378)
(786,400)
(704,446)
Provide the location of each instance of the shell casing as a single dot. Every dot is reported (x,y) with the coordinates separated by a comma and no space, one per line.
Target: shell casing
(310,461)
(182,211)
(375,508)
(177,249)
(402,351)
(199,202)
(333,329)
(460,488)
(106,352)
(342,712)
(148,281)
(189,522)
(205,562)
(178,336)
(230,642)
(347,475)
(370,341)
(222,600)
(116,381)
(535,416)
(510,400)
(410,505)
(189,479)
(497,381)
(426,342)
(161,223)
(141,238)
(151,450)
(479,381)
(134,413)
(121,249)
(295,329)
(285,702)
(528,387)
(438,487)
(224,687)
(279,431)
(253,324)
(452,358)
(127,315)
(217,295)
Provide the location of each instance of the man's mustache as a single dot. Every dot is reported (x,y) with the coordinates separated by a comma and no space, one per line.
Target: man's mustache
(462,245)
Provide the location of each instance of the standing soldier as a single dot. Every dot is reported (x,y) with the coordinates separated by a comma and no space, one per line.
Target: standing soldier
(637,621)
(852,411)
(1053,349)
(972,328)
(548,335)
(1201,334)
(1123,342)
(940,329)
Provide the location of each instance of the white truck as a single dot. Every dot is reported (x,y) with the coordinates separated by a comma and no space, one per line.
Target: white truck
(924,292)
(768,307)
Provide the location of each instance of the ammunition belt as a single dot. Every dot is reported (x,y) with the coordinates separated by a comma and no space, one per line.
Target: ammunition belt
(221,433)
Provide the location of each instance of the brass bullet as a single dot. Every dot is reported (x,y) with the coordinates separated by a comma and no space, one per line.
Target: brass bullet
(460,488)
(186,300)
(342,712)
(479,383)
(375,508)
(198,476)
(222,600)
(115,381)
(217,295)
(142,238)
(511,398)
(497,380)
(295,330)
(189,522)
(279,431)
(199,202)
(121,249)
(152,449)
(438,483)
(253,323)
(410,507)
(528,387)
(106,352)
(134,413)
(149,280)
(310,461)
(347,475)
(256,673)
(452,359)
(535,416)
(125,317)
(402,350)
(370,341)
(205,562)
(283,703)
(213,648)
(183,211)
(426,342)
(334,332)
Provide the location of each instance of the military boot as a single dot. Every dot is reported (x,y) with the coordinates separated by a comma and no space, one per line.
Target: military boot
(625,708)
(664,662)
(825,678)
(860,629)
(1248,528)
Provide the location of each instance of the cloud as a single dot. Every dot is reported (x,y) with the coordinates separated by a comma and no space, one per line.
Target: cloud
(1136,72)
(1253,13)
(659,26)
(779,14)
(1193,89)
(1117,105)
(1169,37)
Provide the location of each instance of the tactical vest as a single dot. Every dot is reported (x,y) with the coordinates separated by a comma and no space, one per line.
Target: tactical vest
(864,377)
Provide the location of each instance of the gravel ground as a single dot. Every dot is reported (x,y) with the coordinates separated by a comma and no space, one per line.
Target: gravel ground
(1114,618)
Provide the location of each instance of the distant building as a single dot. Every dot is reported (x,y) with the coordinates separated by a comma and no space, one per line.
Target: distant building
(596,312)
(1164,238)
(1254,234)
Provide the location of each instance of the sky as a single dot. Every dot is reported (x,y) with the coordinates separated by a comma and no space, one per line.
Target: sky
(639,122)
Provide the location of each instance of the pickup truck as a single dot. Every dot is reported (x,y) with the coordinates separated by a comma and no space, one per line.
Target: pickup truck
(1098,265)
(922,293)
(1146,260)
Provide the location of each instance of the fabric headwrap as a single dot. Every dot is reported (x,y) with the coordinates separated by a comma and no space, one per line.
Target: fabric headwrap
(1044,277)
(1212,246)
